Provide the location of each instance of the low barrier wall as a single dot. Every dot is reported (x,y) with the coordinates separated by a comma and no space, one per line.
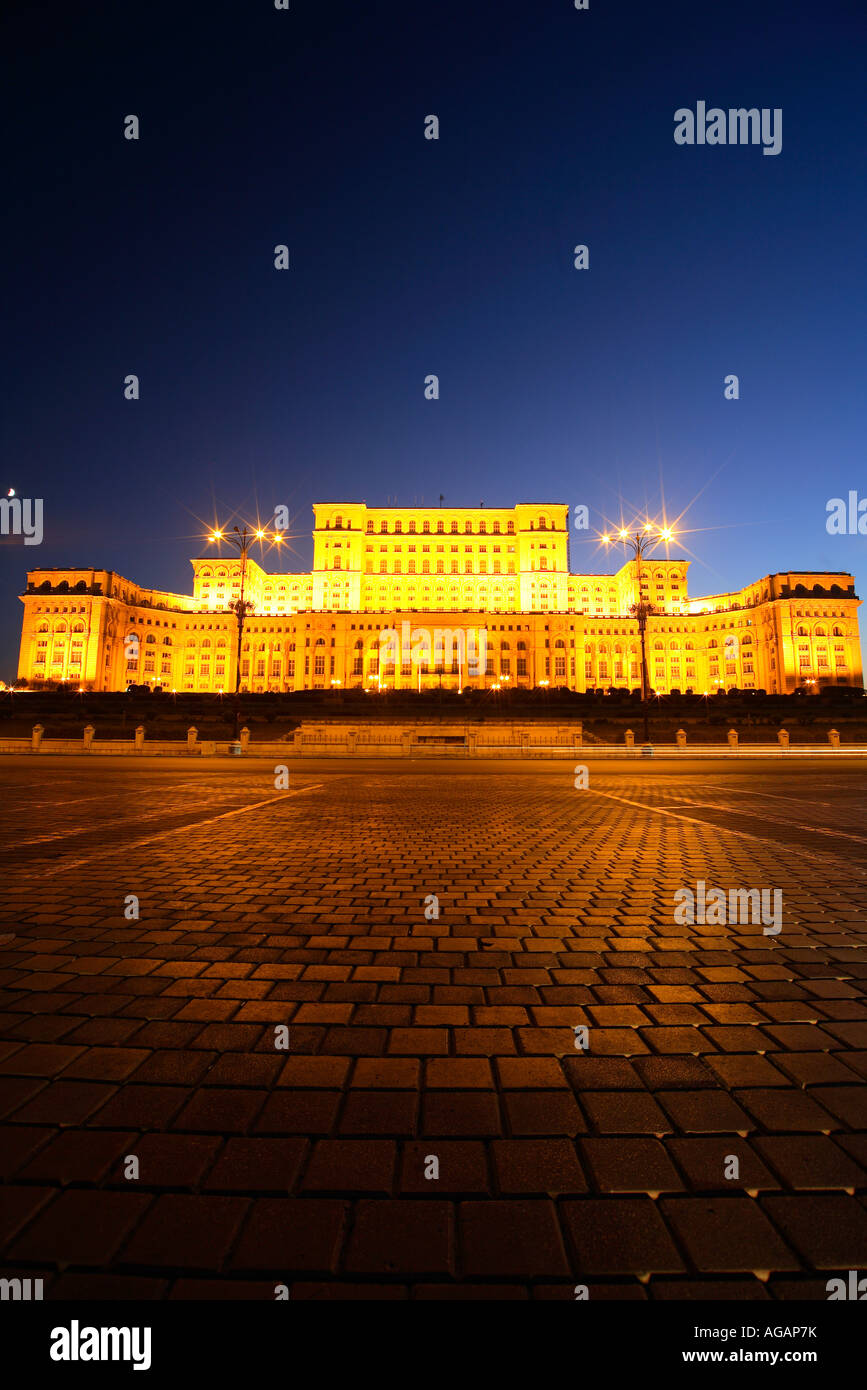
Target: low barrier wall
(419,740)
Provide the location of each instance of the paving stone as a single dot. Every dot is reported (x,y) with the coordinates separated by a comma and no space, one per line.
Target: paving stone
(380,1112)
(305,1112)
(786,1111)
(452,1113)
(629,1112)
(200,1230)
(629,1165)
(19,1143)
(352,1166)
(704,1112)
(681,1073)
(829,1232)
(257,1165)
(543,1112)
(18,1205)
(78,1156)
(170,1160)
(727,1234)
(401,1237)
(810,1162)
(463,1167)
(81,1226)
(519,1238)
(291,1235)
(619,1236)
(705,1161)
(64,1103)
(534,1166)
(458,1073)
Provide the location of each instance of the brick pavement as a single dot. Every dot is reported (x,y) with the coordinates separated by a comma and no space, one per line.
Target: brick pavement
(450,1038)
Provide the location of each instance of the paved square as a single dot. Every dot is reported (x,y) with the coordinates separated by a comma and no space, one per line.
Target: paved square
(709,1141)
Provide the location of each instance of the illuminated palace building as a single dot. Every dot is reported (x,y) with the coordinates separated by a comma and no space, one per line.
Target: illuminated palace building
(503,572)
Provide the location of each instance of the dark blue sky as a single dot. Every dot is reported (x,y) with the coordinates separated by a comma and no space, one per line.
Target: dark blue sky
(411,257)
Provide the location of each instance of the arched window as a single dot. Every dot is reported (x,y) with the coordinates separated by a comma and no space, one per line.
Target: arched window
(440,527)
(383,526)
(425,526)
(510,528)
(338,522)
(468,526)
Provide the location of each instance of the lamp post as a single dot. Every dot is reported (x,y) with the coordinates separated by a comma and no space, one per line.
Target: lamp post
(242,539)
(640,543)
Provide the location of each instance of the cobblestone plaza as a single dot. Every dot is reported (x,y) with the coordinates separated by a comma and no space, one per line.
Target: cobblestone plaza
(449,1037)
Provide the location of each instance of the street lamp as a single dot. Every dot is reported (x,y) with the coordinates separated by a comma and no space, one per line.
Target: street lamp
(640,544)
(242,539)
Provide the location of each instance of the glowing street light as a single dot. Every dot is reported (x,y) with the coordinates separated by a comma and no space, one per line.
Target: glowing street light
(241,539)
(641,543)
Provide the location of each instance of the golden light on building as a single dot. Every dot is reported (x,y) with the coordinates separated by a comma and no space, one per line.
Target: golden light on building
(504,572)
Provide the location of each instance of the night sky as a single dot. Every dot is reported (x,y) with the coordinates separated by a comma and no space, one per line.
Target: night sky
(410,256)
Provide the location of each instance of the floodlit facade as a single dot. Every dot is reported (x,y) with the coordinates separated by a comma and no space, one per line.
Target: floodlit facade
(491,579)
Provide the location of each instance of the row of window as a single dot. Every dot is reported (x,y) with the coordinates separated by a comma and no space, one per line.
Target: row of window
(439,527)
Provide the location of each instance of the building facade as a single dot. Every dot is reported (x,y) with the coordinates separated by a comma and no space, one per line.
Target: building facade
(500,576)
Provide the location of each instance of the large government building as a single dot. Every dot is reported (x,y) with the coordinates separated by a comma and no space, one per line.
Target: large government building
(500,572)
